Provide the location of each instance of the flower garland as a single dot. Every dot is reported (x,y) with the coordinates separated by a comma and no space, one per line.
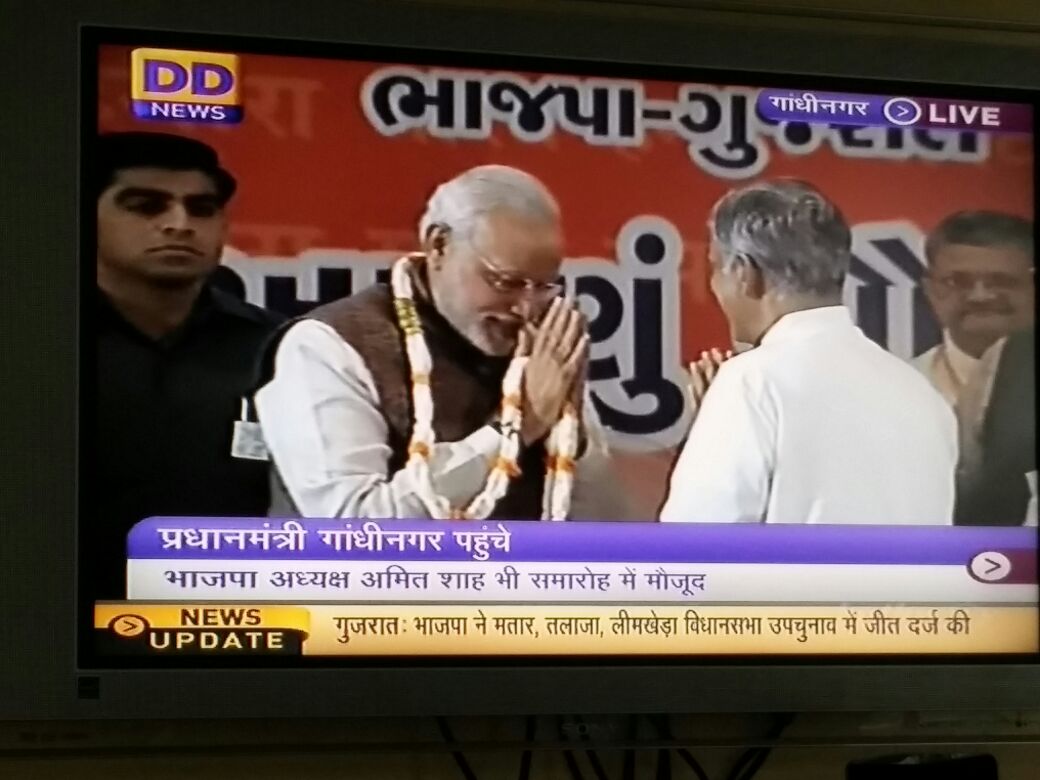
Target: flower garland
(561,447)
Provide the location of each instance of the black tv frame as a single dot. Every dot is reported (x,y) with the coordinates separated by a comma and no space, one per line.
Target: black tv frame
(42,677)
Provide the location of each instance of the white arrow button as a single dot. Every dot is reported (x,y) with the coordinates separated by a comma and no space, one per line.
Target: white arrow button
(990,566)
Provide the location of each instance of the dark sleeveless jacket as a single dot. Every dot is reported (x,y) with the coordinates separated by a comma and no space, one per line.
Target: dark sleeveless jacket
(466,386)
(996,491)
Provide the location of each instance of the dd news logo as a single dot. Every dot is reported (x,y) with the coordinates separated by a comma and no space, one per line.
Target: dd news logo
(185,86)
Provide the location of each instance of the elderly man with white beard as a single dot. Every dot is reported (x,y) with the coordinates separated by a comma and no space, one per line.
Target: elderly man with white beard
(457,391)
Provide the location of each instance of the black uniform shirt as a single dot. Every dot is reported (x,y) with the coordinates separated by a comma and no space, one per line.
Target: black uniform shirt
(166,411)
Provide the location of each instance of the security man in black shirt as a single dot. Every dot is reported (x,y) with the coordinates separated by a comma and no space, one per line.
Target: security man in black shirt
(174,353)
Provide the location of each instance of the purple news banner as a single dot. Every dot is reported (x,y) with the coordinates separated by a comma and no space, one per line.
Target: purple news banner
(839,108)
(189,538)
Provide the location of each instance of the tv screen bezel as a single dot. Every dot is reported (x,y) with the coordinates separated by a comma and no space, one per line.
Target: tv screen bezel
(745,685)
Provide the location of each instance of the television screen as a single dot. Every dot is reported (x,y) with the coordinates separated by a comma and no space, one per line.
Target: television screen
(414,357)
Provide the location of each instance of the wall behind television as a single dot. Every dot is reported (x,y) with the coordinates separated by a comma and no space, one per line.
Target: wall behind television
(39,216)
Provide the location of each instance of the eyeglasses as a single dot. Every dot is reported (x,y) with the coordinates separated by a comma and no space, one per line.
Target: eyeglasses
(965,282)
(510,284)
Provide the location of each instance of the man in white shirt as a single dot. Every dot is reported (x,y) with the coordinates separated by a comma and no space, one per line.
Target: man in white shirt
(980,286)
(816,423)
(343,414)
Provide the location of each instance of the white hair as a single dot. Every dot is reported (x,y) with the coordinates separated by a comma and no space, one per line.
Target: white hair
(478,192)
(797,238)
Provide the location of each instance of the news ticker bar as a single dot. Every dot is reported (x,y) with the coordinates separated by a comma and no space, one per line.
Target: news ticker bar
(842,108)
(537,582)
(634,542)
(228,629)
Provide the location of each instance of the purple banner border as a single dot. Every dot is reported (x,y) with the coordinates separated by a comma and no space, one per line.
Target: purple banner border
(604,542)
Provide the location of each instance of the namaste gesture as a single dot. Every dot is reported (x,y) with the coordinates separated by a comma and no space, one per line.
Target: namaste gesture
(558,352)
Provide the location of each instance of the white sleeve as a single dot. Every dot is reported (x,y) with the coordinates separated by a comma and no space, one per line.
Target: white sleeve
(322,425)
(597,488)
(724,471)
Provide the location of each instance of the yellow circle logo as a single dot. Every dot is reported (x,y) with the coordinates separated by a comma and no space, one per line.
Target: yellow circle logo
(129,625)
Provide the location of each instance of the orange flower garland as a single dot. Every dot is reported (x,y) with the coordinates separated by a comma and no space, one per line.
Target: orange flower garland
(562,442)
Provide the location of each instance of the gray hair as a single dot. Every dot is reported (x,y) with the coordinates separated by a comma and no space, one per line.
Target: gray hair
(480,191)
(981,229)
(797,238)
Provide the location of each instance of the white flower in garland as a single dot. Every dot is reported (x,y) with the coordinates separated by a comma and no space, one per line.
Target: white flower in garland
(561,447)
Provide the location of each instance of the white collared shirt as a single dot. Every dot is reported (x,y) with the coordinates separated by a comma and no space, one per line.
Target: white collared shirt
(818,424)
(322,425)
(948,367)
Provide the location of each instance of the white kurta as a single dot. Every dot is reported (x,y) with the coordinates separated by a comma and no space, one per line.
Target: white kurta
(817,424)
(948,367)
(322,425)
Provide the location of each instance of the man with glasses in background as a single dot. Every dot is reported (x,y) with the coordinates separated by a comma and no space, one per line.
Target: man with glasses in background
(339,414)
(980,286)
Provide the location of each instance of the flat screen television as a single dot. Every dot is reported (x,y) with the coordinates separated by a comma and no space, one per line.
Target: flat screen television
(296,385)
